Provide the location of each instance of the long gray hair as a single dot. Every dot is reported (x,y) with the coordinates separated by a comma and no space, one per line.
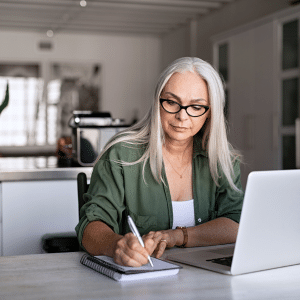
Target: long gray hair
(149,130)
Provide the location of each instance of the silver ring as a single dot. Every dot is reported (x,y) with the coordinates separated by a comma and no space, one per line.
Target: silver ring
(163,241)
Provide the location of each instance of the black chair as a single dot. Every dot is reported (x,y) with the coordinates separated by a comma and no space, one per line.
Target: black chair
(67,241)
(82,187)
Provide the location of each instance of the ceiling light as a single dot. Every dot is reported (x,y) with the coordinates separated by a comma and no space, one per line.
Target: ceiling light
(83,3)
(50,33)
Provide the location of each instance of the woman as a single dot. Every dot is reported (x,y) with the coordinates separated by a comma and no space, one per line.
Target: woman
(174,173)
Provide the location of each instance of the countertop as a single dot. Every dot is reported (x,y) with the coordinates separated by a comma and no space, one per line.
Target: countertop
(38,168)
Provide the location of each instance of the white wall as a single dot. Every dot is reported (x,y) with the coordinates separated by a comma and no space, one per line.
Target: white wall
(230,16)
(130,64)
(175,44)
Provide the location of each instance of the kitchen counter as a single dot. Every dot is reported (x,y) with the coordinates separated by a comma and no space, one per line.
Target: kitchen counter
(38,168)
(38,196)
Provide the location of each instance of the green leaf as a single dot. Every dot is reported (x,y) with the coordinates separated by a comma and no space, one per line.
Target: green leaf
(6,99)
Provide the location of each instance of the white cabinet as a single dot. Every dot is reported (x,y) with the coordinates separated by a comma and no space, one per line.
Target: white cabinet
(254,86)
(31,209)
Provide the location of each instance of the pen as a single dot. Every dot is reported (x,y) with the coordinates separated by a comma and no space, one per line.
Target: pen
(135,231)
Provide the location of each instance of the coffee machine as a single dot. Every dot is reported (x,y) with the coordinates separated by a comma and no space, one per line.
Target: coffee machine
(90,133)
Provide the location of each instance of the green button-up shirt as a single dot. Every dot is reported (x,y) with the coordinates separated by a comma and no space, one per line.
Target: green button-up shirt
(116,190)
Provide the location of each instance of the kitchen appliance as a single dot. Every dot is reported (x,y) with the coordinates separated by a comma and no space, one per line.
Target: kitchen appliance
(90,132)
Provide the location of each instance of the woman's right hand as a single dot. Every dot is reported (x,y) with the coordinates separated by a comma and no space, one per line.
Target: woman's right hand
(99,239)
(129,252)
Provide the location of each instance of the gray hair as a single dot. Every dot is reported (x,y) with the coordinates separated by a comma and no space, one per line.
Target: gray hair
(149,130)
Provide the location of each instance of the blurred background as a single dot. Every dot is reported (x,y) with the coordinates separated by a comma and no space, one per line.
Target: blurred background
(98,55)
(78,71)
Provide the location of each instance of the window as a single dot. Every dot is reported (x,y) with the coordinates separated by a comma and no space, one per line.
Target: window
(39,109)
(22,121)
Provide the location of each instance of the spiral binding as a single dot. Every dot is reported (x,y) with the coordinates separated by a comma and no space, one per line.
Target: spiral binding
(87,261)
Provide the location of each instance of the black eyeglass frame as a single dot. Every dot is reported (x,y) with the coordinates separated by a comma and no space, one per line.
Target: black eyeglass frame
(183,107)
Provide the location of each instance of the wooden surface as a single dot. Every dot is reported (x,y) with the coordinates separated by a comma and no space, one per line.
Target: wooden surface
(61,276)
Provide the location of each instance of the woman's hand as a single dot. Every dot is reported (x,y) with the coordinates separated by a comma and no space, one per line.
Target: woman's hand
(156,242)
(99,239)
(129,252)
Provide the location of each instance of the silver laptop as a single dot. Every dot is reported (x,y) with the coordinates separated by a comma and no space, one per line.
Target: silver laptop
(269,231)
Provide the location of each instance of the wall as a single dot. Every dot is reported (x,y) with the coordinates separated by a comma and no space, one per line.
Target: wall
(175,44)
(230,16)
(130,64)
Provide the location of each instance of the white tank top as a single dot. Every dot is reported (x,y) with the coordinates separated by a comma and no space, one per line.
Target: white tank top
(183,213)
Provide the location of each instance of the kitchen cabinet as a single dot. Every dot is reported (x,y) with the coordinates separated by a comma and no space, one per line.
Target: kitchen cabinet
(36,202)
(31,209)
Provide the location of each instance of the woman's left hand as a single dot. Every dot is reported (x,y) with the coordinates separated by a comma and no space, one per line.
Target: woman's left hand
(162,240)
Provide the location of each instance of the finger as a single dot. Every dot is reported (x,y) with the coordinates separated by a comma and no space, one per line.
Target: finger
(151,240)
(132,242)
(164,241)
(129,252)
(136,260)
(158,236)
(127,261)
(130,257)
(148,235)
(150,245)
(161,248)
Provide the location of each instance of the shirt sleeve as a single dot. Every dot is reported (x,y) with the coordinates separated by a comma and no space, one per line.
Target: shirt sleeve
(105,197)
(229,202)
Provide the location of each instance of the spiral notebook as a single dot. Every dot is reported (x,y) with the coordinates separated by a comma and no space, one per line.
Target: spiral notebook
(106,266)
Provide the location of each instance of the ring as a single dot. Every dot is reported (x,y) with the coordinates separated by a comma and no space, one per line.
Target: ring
(164,241)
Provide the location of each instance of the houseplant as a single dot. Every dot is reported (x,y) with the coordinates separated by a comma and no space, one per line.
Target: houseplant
(6,99)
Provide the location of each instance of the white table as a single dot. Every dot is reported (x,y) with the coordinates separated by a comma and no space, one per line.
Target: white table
(61,276)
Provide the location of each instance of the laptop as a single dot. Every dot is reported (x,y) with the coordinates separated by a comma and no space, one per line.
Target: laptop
(269,230)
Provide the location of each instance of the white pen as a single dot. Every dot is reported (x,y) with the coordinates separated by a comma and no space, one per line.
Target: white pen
(135,231)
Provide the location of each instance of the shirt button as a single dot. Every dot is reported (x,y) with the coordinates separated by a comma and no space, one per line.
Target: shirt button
(199,220)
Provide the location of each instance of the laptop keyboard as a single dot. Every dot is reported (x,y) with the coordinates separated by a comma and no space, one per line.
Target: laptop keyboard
(226,261)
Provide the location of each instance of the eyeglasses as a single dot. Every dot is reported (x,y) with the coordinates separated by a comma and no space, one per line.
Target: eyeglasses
(172,107)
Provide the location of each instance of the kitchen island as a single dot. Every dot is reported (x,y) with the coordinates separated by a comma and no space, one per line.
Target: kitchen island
(37,196)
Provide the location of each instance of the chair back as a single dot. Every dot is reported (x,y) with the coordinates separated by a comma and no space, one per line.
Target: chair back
(82,187)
